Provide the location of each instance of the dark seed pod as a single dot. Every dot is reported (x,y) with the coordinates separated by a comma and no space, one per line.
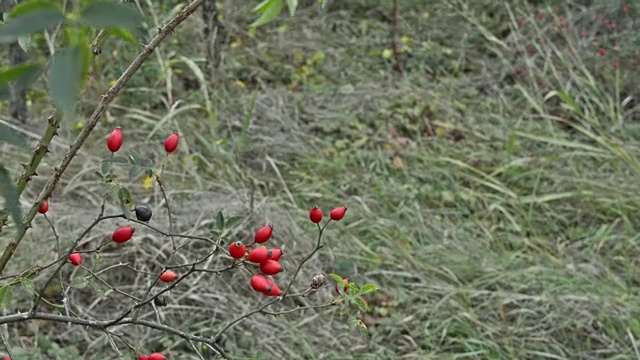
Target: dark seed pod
(160,301)
(143,213)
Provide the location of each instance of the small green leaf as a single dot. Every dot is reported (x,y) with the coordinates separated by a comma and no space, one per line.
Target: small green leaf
(10,194)
(6,294)
(125,200)
(118,160)
(24,74)
(359,302)
(105,167)
(28,285)
(219,221)
(12,137)
(107,14)
(292,5)
(368,288)
(30,17)
(134,171)
(25,42)
(269,11)
(65,76)
(135,157)
(337,278)
(124,34)
(231,222)
(79,282)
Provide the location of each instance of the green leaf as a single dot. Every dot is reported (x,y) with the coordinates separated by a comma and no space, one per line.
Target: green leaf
(125,200)
(292,5)
(337,278)
(107,14)
(105,167)
(30,17)
(134,171)
(23,74)
(123,34)
(10,194)
(25,42)
(6,293)
(219,221)
(65,76)
(368,288)
(28,285)
(359,302)
(79,282)
(233,221)
(26,7)
(118,160)
(12,137)
(269,11)
(135,157)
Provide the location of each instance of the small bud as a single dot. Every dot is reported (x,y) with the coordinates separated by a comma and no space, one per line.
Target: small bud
(317,282)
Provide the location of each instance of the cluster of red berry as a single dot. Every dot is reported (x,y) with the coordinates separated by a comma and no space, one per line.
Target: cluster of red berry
(268,258)
(154,356)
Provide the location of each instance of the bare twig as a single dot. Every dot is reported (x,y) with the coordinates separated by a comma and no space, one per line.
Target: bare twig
(106,100)
(397,65)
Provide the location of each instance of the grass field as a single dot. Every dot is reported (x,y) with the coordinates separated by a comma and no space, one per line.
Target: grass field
(492,187)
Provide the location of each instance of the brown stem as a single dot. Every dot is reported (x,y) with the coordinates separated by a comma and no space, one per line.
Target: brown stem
(106,100)
(397,66)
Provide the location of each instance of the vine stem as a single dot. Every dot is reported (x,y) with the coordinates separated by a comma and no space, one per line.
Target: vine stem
(106,100)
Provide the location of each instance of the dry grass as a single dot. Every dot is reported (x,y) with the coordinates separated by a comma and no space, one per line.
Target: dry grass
(498,221)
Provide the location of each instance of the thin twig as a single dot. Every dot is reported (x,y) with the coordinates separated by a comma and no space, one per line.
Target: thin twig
(106,100)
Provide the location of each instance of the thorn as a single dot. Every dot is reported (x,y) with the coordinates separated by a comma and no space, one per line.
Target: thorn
(24,166)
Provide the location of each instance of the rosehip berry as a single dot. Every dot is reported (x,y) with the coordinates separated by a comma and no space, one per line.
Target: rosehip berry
(114,142)
(237,250)
(315,215)
(168,276)
(264,234)
(272,289)
(143,357)
(258,255)
(602,52)
(270,267)
(338,213)
(346,288)
(260,283)
(171,143)
(143,213)
(44,207)
(274,254)
(122,234)
(157,356)
(75,259)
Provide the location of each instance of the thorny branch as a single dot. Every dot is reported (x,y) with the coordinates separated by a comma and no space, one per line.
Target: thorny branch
(106,100)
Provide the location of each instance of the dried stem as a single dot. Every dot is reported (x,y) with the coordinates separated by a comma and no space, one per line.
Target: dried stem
(397,65)
(106,100)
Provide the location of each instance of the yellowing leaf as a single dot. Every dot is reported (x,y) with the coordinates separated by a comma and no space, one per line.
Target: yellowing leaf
(397,162)
(236,44)
(241,84)
(405,39)
(147,183)
(386,53)
(440,131)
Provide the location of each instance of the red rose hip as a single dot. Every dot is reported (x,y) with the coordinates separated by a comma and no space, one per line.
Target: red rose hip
(114,142)
(338,213)
(270,267)
(237,250)
(315,215)
(44,207)
(157,356)
(264,234)
(171,143)
(272,289)
(258,255)
(346,287)
(143,357)
(274,254)
(168,276)
(75,259)
(122,234)
(260,283)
